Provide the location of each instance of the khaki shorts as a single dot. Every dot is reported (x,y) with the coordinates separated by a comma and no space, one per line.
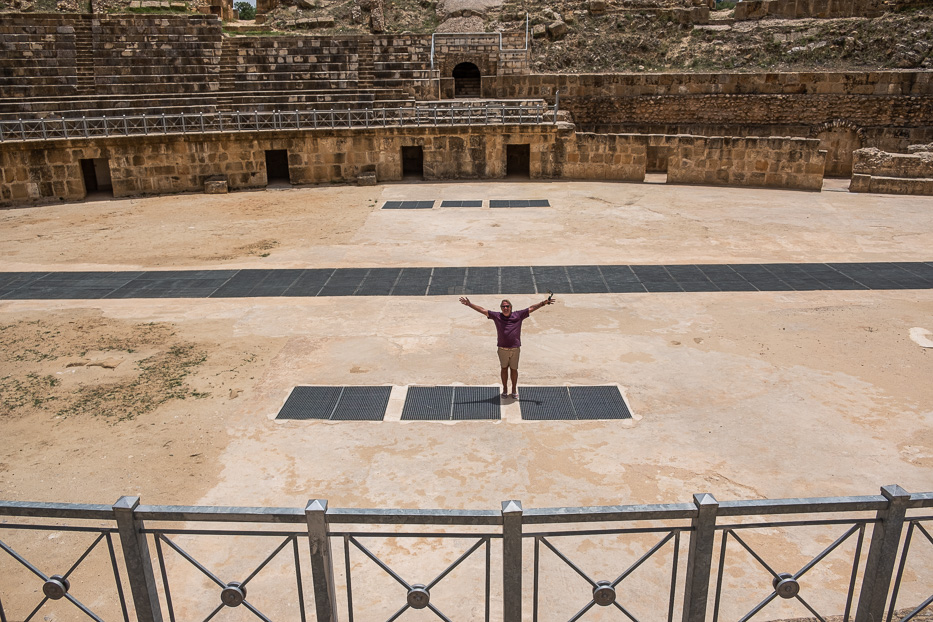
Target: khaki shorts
(508,357)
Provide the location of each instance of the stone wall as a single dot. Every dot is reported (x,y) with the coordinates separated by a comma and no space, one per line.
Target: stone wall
(794,163)
(37,55)
(51,170)
(892,173)
(796,9)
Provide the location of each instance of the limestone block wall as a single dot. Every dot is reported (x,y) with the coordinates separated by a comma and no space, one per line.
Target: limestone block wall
(795,9)
(874,170)
(793,163)
(37,55)
(287,63)
(615,157)
(154,55)
(404,61)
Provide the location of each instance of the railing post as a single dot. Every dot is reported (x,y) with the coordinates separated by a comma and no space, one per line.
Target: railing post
(700,558)
(512,561)
(138,563)
(882,555)
(556,103)
(322,566)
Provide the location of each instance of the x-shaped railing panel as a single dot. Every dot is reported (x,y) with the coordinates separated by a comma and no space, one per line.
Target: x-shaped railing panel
(917,524)
(56,587)
(418,595)
(233,593)
(604,591)
(785,584)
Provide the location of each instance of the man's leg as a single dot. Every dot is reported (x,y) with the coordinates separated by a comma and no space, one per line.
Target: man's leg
(514,371)
(505,381)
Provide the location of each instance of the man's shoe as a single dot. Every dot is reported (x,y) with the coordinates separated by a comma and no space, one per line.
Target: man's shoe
(514,396)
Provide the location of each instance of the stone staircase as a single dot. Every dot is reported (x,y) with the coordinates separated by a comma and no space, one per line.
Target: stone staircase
(366,64)
(228,66)
(84,55)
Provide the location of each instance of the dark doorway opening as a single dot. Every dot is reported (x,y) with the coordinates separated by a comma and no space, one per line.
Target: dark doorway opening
(96,174)
(467,80)
(656,160)
(413,162)
(277,166)
(518,160)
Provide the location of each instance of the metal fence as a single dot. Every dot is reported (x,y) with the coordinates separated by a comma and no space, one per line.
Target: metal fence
(698,558)
(436,114)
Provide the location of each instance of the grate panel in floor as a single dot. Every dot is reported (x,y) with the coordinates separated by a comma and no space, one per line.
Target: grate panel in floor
(379,282)
(408,205)
(573,403)
(461,203)
(310,403)
(545,404)
(516,280)
(362,404)
(498,203)
(552,278)
(476,404)
(447,281)
(601,402)
(365,403)
(586,280)
(482,280)
(412,282)
(448,403)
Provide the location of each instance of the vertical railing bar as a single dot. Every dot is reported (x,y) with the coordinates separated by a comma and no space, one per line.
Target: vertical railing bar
(45,133)
(346,556)
(900,570)
(488,574)
(534,588)
(201,117)
(145,125)
(882,555)
(168,593)
(64,129)
(301,592)
(855,563)
(137,561)
(700,557)
(512,561)
(126,127)
(322,567)
(670,606)
(22,129)
(722,565)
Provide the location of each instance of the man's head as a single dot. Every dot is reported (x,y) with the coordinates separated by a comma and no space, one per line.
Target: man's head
(506,307)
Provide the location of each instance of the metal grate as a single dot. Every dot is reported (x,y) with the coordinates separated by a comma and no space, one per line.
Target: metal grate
(495,203)
(461,204)
(573,403)
(408,205)
(367,403)
(451,404)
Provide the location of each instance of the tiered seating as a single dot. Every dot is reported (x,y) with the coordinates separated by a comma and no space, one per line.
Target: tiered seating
(280,63)
(37,55)
(160,55)
(401,60)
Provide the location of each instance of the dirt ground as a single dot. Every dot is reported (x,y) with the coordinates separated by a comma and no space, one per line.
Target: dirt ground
(742,395)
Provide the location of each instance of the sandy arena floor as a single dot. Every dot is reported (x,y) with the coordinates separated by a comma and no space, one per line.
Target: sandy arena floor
(742,395)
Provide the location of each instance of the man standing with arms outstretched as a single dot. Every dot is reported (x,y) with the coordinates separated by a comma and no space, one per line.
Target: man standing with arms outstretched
(509,331)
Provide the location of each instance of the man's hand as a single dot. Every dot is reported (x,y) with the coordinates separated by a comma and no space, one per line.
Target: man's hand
(546,301)
(464,301)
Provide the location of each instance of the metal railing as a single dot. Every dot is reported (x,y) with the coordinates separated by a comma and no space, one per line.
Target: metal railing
(435,114)
(873,534)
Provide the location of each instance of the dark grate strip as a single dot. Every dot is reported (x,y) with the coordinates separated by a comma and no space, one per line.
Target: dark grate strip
(572,403)
(310,403)
(545,404)
(367,403)
(603,402)
(461,203)
(446,403)
(408,205)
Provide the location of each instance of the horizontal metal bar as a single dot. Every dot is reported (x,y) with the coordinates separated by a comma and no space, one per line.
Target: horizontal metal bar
(414,517)
(409,534)
(802,506)
(56,510)
(920,500)
(609,513)
(602,532)
(222,514)
(59,528)
(798,523)
(222,532)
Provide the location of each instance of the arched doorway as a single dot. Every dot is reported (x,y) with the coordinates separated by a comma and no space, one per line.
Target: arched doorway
(466,80)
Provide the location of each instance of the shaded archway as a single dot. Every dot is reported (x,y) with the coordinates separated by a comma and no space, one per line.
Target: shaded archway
(466,80)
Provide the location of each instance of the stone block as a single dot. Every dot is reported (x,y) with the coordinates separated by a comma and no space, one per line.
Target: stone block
(215,185)
(367,178)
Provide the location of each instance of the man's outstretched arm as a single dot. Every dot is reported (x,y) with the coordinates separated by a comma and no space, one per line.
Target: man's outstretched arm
(538,305)
(466,301)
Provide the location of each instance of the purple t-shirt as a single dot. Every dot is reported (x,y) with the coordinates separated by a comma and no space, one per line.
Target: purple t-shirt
(509,328)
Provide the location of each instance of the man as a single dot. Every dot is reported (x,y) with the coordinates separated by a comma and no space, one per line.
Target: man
(509,331)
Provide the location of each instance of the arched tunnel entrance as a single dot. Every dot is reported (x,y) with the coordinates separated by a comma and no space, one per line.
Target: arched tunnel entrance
(466,80)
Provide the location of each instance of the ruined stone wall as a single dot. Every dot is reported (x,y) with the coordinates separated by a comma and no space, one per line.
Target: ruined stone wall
(37,55)
(796,9)
(892,173)
(158,54)
(288,63)
(794,163)
(51,170)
